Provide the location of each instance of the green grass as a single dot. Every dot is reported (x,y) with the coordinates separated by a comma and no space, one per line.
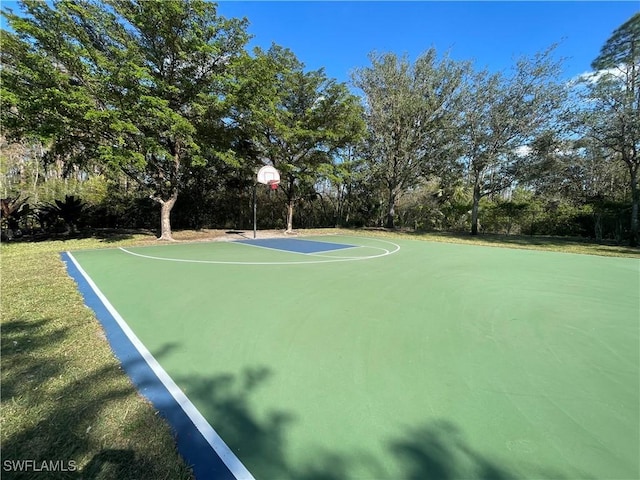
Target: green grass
(552,244)
(64,396)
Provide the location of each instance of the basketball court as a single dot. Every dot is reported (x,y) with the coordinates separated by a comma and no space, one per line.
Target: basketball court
(344,357)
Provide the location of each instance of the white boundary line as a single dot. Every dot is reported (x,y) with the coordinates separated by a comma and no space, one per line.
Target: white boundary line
(305,262)
(227,456)
(350,258)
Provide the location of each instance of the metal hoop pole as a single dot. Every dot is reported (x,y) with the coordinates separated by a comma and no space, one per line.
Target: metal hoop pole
(255,208)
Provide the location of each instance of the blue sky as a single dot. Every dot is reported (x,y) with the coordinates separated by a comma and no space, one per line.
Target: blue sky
(338,35)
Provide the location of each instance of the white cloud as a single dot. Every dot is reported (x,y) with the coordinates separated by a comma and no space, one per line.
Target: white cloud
(593,77)
(522,150)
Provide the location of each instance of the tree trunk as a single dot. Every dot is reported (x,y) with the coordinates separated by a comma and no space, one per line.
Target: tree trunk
(635,199)
(598,227)
(391,209)
(475,207)
(165,216)
(167,205)
(290,216)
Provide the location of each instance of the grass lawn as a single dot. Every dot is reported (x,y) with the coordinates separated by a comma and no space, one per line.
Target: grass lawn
(64,396)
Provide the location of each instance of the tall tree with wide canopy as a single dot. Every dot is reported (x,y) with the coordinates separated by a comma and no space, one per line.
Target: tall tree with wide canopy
(503,114)
(294,119)
(126,81)
(575,169)
(411,111)
(611,106)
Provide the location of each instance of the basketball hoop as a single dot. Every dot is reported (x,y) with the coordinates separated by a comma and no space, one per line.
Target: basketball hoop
(267,175)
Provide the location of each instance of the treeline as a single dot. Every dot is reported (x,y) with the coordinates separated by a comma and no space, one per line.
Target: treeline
(129,114)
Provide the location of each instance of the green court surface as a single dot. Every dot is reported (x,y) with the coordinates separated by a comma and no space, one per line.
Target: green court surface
(395,359)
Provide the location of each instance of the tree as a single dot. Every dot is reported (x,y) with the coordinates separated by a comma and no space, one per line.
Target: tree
(12,211)
(343,186)
(125,81)
(295,120)
(572,168)
(502,115)
(70,211)
(610,110)
(410,113)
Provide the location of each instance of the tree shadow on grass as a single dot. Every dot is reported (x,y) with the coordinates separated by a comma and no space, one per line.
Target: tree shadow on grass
(65,420)
(524,241)
(23,369)
(107,235)
(114,463)
(103,235)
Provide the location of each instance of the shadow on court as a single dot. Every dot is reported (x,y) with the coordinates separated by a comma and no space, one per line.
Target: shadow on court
(435,450)
(68,427)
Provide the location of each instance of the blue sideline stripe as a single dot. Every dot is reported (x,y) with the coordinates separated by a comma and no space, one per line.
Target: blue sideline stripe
(296,246)
(197,452)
